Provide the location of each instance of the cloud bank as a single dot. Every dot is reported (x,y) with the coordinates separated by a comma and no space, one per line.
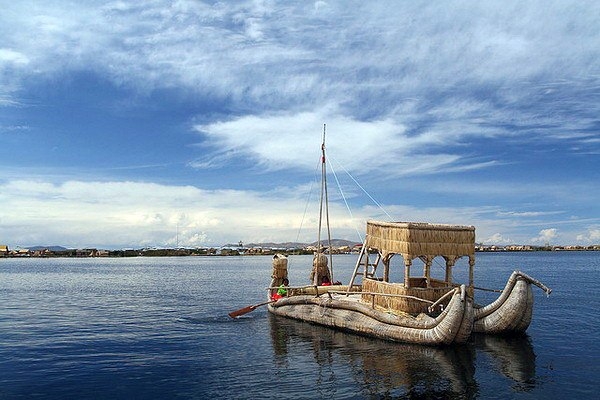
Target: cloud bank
(486,113)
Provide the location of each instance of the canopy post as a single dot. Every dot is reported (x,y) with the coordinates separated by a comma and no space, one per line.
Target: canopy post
(386,268)
(471,268)
(427,270)
(450,261)
(407,264)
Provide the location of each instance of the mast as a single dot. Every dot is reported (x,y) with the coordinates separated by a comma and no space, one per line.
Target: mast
(324,202)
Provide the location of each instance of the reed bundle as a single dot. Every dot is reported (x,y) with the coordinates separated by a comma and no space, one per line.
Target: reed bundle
(319,269)
(403,297)
(414,239)
(280,263)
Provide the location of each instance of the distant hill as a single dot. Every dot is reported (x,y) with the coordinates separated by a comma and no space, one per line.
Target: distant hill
(51,248)
(294,245)
(337,243)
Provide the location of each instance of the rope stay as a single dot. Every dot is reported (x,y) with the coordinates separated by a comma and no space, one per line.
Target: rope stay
(307,201)
(324,201)
(365,191)
(345,201)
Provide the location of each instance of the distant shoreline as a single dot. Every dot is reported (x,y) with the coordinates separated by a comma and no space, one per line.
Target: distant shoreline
(224,252)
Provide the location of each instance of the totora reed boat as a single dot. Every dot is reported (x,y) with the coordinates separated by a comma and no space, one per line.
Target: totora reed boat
(419,309)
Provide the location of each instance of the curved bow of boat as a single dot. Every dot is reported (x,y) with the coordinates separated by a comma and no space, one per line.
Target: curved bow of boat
(512,311)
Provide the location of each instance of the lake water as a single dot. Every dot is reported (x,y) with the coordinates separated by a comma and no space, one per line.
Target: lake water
(158,328)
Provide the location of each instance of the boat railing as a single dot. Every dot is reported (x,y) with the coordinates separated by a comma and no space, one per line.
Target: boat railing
(320,290)
(325,289)
(487,290)
(314,290)
(444,297)
(405,296)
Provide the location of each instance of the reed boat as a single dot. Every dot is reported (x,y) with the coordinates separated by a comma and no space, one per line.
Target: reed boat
(419,309)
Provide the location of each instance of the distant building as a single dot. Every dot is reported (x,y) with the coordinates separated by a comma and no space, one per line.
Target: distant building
(86,253)
(102,253)
(3,250)
(20,253)
(42,253)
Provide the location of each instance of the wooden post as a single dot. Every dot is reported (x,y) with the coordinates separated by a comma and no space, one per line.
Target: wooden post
(449,264)
(471,268)
(427,271)
(386,269)
(407,264)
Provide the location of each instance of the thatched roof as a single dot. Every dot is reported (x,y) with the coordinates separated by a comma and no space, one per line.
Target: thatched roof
(415,239)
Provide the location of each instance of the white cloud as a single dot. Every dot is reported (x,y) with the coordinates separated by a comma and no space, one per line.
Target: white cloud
(289,141)
(591,236)
(404,88)
(374,76)
(546,236)
(13,57)
(497,238)
(281,55)
(519,214)
(124,214)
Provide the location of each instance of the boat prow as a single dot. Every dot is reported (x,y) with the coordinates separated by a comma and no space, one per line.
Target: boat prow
(512,311)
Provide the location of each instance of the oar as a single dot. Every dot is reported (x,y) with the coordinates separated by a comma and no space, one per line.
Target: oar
(248,309)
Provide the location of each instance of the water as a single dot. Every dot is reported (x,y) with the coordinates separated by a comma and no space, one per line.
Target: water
(158,328)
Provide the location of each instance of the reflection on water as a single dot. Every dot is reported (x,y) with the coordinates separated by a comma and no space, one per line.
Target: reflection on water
(386,369)
(512,356)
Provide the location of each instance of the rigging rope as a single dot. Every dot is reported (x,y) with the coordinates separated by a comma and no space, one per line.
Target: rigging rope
(364,191)
(308,200)
(345,201)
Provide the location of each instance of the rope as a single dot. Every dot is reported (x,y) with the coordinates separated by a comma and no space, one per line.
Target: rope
(487,290)
(307,201)
(365,192)
(345,201)
(323,304)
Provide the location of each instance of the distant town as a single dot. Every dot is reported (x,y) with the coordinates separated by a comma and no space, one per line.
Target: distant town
(338,247)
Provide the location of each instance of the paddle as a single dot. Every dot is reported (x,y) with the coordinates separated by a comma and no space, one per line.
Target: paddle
(246,310)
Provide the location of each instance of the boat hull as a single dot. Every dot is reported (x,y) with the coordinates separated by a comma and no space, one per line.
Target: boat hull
(453,325)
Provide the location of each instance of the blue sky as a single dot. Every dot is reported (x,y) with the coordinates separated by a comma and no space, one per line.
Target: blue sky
(156,123)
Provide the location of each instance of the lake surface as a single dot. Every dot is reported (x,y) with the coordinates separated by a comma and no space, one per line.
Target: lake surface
(158,328)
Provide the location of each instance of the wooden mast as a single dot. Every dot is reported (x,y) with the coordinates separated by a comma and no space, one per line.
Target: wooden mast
(324,202)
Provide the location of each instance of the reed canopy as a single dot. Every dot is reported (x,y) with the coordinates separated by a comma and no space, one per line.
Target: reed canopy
(424,241)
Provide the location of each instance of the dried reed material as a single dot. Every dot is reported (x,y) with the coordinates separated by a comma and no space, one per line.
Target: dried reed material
(320,261)
(319,269)
(453,325)
(512,311)
(280,263)
(414,239)
(401,304)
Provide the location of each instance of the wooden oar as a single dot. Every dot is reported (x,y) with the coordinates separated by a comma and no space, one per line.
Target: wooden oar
(246,310)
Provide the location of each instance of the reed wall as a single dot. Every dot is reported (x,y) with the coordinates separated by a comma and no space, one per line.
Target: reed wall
(402,304)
